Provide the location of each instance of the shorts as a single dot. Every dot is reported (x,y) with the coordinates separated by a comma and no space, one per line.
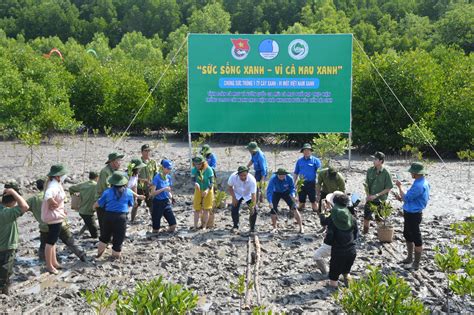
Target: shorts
(53,233)
(206,204)
(308,190)
(411,227)
(368,214)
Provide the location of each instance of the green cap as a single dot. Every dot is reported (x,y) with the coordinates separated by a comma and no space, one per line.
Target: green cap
(206,149)
(417,168)
(379,156)
(137,163)
(114,156)
(198,159)
(342,218)
(118,179)
(57,170)
(306,146)
(281,171)
(252,146)
(13,185)
(242,169)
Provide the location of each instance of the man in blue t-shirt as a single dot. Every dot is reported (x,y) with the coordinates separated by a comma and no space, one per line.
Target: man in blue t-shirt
(306,168)
(259,162)
(414,201)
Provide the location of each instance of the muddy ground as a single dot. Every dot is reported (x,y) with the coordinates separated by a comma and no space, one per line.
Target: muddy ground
(208,261)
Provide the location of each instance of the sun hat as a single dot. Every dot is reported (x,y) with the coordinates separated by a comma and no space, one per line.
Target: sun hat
(206,149)
(57,170)
(252,146)
(242,169)
(306,146)
(114,156)
(330,197)
(281,171)
(117,179)
(417,168)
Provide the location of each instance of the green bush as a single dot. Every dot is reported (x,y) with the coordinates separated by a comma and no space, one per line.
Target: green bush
(379,294)
(328,146)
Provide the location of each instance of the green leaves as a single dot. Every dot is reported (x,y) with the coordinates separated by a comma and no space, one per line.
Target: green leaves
(330,145)
(379,294)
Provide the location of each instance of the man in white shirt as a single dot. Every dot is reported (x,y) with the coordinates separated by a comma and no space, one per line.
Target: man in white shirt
(243,187)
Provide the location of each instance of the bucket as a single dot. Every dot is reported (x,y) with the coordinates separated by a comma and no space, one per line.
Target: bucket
(75,202)
(385,234)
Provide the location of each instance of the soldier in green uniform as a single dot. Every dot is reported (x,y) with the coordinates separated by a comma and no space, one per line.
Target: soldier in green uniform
(113,164)
(378,184)
(12,207)
(329,181)
(65,234)
(87,191)
(145,178)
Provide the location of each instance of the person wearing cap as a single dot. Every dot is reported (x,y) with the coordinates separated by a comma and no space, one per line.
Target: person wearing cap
(12,207)
(306,168)
(65,235)
(259,162)
(341,235)
(329,180)
(203,178)
(133,168)
(210,157)
(378,184)
(324,251)
(87,191)
(145,178)
(414,202)
(53,213)
(282,186)
(242,186)
(162,198)
(113,164)
(116,201)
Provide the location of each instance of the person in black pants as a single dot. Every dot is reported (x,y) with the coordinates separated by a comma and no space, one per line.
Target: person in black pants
(341,235)
(162,198)
(116,201)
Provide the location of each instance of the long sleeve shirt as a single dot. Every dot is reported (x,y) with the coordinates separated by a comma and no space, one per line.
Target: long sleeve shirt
(102,183)
(281,186)
(88,192)
(416,198)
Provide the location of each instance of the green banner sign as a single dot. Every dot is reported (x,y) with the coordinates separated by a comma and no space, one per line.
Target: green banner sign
(269,83)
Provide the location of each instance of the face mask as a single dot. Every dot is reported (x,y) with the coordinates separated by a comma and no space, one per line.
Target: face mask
(63,178)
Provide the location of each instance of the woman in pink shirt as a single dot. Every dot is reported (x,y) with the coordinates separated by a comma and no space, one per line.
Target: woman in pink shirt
(53,213)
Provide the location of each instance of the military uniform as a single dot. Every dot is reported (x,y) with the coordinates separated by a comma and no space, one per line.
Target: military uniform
(87,190)
(145,177)
(8,243)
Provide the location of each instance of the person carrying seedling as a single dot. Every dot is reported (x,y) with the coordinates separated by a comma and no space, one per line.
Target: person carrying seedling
(378,184)
(306,168)
(259,162)
(145,178)
(12,207)
(203,178)
(414,202)
(133,168)
(329,180)
(162,198)
(282,186)
(87,191)
(242,187)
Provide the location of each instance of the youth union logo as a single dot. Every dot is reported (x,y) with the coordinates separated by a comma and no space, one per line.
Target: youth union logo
(240,48)
(268,49)
(298,49)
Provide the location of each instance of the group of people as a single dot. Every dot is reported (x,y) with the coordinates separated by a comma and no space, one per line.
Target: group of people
(113,193)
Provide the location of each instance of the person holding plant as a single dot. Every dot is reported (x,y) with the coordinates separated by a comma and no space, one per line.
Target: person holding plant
(259,162)
(203,177)
(306,168)
(162,198)
(145,178)
(133,168)
(282,186)
(12,207)
(242,187)
(341,235)
(378,184)
(329,180)
(53,213)
(414,202)
(116,201)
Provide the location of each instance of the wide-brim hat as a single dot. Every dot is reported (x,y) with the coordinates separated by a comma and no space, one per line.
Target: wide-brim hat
(198,159)
(378,155)
(114,156)
(242,169)
(57,170)
(330,197)
(417,168)
(342,218)
(117,179)
(306,146)
(206,149)
(281,171)
(137,163)
(252,146)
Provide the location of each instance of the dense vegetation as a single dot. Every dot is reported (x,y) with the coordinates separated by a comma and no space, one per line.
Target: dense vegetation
(116,50)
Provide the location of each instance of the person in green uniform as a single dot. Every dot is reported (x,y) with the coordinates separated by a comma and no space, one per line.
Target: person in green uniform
(145,178)
(329,181)
(12,207)
(378,184)
(113,164)
(87,191)
(65,235)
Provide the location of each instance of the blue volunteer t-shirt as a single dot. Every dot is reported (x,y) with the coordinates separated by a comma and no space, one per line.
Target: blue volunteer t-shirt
(259,162)
(160,183)
(211,160)
(111,201)
(277,185)
(416,198)
(308,167)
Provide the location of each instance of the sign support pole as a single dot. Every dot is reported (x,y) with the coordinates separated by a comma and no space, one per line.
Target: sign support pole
(190,150)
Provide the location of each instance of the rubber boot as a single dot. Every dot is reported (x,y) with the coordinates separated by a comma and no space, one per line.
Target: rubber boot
(409,259)
(253,220)
(41,256)
(134,213)
(116,255)
(416,263)
(5,290)
(75,249)
(322,266)
(101,247)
